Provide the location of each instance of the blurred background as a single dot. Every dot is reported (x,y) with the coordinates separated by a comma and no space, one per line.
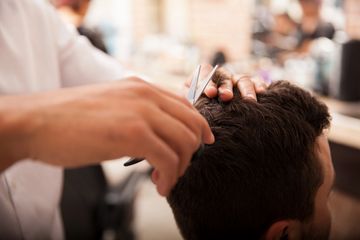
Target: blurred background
(312,43)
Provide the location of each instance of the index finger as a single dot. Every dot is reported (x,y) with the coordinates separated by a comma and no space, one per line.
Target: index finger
(226,85)
(182,110)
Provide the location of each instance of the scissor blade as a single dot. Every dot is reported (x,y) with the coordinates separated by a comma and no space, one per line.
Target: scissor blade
(193,85)
(204,83)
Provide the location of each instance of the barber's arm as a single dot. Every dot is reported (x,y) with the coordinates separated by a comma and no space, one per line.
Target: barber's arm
(87,125)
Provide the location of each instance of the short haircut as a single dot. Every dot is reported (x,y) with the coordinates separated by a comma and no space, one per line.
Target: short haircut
(262,167)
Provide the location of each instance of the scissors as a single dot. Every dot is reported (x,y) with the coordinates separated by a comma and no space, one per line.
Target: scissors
(194,94)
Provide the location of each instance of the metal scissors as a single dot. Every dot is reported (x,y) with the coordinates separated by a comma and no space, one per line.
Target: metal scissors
(194,94)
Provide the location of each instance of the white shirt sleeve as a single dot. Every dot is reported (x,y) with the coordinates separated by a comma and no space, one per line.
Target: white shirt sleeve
(38,52)
(79,62)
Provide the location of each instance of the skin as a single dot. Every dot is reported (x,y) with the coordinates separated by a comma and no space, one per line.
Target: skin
(311,17)
(75,17)
(87,125)
(310,8)
(318,227)
(248,86)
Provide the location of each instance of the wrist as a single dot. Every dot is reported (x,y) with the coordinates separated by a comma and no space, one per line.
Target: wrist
(17,125)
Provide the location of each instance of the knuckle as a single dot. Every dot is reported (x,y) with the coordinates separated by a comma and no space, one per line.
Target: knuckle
(115,135)
(186,158)
(192,143)
(185,101)
(137,129)
(141,108)
(201,120)
(260,83)
(136,79)
(241,80)
(226,74)
(196,122)
(247,86)
(172,163)
(244,79)
(227,84)
(142,88)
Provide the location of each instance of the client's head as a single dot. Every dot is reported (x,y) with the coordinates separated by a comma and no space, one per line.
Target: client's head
(268,175)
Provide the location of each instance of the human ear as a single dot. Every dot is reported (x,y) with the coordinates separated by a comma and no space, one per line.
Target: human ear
(283,230)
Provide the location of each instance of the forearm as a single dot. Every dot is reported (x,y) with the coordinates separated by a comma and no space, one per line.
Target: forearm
(15,130)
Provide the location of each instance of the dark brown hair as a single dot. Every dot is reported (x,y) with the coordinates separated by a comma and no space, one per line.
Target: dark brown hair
(262,167)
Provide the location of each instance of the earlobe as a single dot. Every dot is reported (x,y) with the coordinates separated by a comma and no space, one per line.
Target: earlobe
(278,231)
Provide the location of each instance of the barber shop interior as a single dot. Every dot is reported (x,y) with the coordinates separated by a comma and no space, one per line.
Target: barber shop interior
(284,163)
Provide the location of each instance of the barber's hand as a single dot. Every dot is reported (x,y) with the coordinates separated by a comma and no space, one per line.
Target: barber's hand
(86,125)
(248,86)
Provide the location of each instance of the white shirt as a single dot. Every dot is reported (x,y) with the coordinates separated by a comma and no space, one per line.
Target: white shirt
(39,52)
